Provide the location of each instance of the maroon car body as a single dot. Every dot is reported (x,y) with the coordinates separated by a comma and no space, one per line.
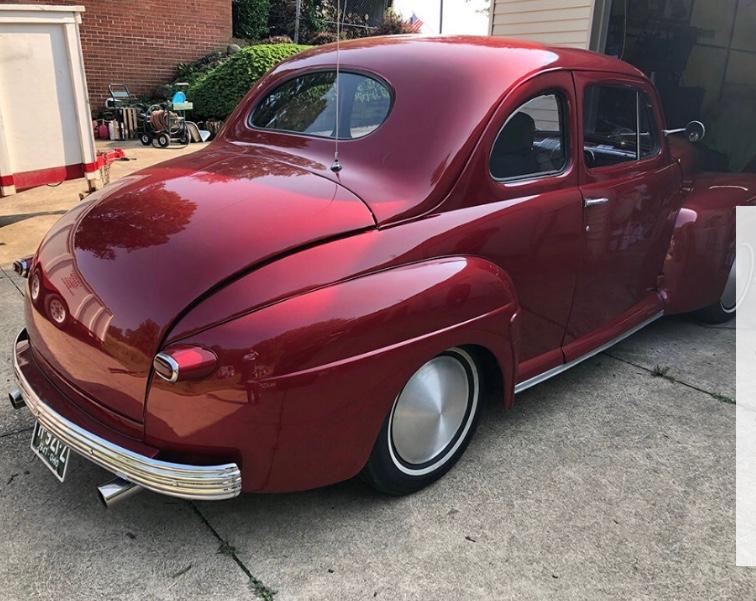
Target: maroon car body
(321,292)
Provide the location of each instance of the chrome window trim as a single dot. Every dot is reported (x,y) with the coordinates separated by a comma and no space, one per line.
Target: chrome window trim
(555,371)
(201,482)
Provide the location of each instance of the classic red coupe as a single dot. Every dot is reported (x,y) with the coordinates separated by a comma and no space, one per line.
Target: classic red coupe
(258,316)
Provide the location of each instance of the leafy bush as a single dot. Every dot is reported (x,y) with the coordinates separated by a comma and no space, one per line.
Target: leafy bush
(318,21)
(282,17)
(189,72)
(277,39)
(251,18)
(393,24)
(216,93)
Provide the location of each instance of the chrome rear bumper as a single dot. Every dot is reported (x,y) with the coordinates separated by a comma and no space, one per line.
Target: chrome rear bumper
(201,482)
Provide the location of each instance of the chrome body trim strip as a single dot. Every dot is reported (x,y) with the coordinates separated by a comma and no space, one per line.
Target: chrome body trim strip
(600,349)
(202,482)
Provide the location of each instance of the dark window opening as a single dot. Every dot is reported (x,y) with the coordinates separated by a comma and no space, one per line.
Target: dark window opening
(532,141)
(616,120)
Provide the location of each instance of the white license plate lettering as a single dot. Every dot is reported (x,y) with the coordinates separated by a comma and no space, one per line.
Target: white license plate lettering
(53,452)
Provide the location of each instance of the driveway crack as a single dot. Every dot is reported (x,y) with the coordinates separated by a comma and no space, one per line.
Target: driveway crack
(12,281)
(260,590)
(14,432)
(715,395)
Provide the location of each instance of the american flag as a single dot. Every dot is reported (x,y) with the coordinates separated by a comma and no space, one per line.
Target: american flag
(416,23)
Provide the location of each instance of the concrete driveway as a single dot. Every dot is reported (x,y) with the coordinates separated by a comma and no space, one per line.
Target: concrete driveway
(612,481)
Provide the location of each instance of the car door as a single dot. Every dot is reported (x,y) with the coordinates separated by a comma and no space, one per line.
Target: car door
(629,187)
(524,175)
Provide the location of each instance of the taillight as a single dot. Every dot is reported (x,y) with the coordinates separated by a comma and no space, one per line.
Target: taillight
(184,363)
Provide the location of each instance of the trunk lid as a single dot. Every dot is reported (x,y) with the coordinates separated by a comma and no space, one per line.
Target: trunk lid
(124,265)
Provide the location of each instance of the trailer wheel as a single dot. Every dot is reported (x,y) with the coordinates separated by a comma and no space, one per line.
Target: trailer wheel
(163,140)
(145,139)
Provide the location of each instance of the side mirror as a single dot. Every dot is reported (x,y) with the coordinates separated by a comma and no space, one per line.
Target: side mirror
(694,131)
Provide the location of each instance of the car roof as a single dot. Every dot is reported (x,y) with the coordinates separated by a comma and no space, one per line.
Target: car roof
(446,88)
(467,52)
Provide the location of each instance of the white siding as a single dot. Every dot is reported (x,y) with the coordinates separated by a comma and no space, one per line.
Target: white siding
(555,22)
(544,111)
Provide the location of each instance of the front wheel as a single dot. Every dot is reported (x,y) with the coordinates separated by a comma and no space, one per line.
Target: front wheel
(429,426)
(735,288)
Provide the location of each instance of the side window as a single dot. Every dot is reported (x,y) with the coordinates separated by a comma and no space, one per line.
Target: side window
(611,119)
(371,104)
(532,141)
(610,125)
(307,105)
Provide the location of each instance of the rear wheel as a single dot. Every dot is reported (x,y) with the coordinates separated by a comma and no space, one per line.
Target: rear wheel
(429,426)
(163,140)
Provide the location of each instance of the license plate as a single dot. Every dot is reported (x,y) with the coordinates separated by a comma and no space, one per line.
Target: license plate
(53,452)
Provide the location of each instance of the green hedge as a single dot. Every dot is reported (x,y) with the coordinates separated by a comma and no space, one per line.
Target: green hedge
(216,93)
(251,18)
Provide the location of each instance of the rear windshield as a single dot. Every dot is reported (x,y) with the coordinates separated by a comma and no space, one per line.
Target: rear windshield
(307,105)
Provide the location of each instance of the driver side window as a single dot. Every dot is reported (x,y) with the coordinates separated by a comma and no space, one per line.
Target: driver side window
(532,141)
(611,117)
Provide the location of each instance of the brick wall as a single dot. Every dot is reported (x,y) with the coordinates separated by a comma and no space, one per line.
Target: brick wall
(139,42)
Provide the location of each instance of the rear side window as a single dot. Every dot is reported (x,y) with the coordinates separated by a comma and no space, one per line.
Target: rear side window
(307,105)
(532,141)
(618,126)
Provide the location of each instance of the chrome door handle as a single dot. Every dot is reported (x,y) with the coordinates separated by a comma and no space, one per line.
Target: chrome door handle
(592,202)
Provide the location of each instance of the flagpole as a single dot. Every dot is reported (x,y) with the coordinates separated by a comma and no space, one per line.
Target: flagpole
(440,16)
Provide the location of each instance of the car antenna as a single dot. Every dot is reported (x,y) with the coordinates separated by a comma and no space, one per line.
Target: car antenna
(336,165)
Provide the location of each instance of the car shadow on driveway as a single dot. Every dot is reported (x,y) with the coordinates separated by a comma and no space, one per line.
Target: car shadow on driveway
(603,482)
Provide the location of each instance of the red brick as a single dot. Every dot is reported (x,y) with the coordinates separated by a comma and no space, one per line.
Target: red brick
(139,42)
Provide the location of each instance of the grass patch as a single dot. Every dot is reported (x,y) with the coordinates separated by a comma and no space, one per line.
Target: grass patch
(259,589)
(723,398)
(661,371)
(226,549)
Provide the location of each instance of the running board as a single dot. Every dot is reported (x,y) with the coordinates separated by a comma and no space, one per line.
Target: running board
(555,371)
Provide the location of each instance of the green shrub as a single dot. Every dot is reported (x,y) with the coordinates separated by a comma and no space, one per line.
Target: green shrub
(393,24)
(190,72)
(251,18)
(216,93)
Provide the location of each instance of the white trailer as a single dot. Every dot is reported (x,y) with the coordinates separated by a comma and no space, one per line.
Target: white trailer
(45,121)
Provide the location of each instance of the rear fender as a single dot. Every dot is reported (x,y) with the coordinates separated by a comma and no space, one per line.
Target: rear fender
(703,243)
(303,385)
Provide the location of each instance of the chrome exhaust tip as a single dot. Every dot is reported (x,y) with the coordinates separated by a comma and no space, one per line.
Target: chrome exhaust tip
(116,490)
(22,266)
(16,399)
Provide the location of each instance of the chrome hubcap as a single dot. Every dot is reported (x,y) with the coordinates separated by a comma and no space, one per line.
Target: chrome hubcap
(57,311)
(433,412)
